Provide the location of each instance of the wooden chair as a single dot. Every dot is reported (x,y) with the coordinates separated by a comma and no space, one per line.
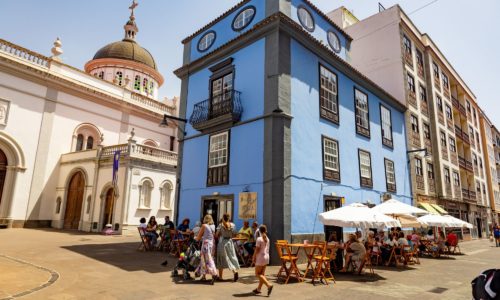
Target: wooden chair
(282,241)
(408,254)
(145,244)
(367,263)
(375,255)
(288,263)
(322,269)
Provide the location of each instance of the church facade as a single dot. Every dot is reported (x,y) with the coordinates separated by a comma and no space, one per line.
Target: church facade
(81,149)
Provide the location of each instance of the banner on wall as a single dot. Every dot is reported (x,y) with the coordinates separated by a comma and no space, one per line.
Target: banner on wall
(247,208)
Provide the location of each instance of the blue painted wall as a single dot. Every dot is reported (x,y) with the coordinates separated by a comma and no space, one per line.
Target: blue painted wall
(246,141)
(307,129)
(224,31)
(322,26)
(249,66)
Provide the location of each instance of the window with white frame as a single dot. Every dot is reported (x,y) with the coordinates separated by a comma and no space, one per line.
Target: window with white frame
(414,124)
(386,120)
(218,170)
(331,166)
(145,189)
(427,131)
(365,168)
(423,93)
(443,139)
(449,114)
(456,178)
(407,44)
(453,146)
(137,83)
(439,103)
(328,95)
(119,77)
(244,18)
(447,178)
(362,113)
(410,83)
(166,195)
(430,171)
(445,81)
(390,175)
(418,167)
(435,68)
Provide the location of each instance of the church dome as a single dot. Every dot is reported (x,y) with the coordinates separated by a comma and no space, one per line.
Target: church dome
(127,49)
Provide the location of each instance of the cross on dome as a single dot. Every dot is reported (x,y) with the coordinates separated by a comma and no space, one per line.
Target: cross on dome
(131,29)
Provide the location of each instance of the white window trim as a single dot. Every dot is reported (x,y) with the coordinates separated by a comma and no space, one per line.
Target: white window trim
(334,157)
(210,151)
(368,167)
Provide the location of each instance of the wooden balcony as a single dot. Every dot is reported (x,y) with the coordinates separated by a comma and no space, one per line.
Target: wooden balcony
(454,158)
(450,124)
(455,102)
(419,179)
(437,83)
(457,191)
(469,196)
(462,110)
(412,99)
(432,185)
(448,190)
(446,92)
(408,58)
(440,117)
(444,153)
(420,70)
(415,139)
(424,108)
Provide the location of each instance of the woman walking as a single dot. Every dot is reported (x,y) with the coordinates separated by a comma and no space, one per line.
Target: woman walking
(226,255)
(206,235)
(261,260)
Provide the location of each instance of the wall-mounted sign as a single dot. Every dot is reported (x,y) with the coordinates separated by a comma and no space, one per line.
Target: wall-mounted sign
(247,208)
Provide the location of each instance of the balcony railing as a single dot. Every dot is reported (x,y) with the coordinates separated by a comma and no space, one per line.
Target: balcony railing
(222,108)
(468,195)
(455,102)
(462,110)
(143,152)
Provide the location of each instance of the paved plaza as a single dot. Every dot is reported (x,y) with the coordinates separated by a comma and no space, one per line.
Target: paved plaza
(50,264)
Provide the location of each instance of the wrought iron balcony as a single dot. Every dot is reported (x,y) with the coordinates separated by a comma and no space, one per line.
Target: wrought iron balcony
(220,109)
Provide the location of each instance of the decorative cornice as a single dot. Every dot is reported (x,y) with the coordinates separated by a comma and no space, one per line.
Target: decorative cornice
(280,21)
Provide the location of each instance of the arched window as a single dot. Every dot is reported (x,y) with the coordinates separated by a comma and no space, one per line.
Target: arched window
(145,86)
(145,189)
(58,205)
(90,143)
(79,142)
(101,74)
(151,143)
(137,83)
(166,195)
(119,78)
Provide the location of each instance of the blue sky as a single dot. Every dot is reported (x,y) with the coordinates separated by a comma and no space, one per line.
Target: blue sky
(467,32)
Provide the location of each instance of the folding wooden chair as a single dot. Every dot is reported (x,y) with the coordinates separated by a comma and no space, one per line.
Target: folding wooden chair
(375,255)
(367,263)
(288,263)
(322,267)
(145,244)
(392,257)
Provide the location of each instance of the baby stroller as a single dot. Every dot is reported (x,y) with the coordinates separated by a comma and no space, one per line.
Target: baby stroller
(188,261)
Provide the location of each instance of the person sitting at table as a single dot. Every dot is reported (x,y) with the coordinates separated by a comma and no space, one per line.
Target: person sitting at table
(142,222)
(355,252)
(184,226)
(332,239)
(168,224)
(151,231)
(247,232)
(430,235)
(359,237)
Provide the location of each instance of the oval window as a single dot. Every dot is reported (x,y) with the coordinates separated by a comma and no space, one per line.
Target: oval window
(244,18)
(334,41)
(206,41)
(306,18)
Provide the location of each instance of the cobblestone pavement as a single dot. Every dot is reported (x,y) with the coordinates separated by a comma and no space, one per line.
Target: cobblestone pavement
(50,264)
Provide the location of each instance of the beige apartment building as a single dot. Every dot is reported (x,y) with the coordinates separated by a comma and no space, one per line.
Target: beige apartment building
(445,147)
(494,163)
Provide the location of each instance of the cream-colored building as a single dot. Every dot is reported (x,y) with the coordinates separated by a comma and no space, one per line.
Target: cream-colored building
(446,157)
(494,157)
(61,127)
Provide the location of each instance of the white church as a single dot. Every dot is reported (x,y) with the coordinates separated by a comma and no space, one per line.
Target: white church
(60,128)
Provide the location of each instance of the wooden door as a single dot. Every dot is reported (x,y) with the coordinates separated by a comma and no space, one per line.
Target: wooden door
(108,208)
(74,201)
(3,172)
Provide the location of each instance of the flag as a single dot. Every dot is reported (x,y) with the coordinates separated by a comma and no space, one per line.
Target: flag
(116,166)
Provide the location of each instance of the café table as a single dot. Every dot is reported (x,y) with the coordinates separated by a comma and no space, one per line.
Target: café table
(309,250)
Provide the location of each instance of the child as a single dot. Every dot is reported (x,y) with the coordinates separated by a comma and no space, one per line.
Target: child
(261,260)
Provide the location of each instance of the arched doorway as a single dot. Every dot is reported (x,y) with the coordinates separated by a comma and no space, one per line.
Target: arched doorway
(74,202)
(107,216)
(3,172)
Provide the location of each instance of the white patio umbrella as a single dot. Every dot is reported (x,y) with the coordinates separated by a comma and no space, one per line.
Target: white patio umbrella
(395,208)
(437,220)
(357,215)
(410,221)
(459,223)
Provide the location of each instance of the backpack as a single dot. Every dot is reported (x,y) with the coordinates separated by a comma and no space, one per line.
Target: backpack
(486,286)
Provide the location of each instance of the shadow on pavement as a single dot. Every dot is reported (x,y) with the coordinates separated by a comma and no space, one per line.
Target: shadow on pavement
(394,269)
(249,294)
(125,256)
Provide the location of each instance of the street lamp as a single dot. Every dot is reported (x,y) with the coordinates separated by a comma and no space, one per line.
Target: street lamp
(164,122)
(427,154)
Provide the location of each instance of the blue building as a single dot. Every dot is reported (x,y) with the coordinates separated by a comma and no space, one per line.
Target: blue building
(275,109)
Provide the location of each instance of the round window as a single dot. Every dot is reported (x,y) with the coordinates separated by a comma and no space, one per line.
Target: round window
(306,18)
(334,41)
(206,41)
(244,18)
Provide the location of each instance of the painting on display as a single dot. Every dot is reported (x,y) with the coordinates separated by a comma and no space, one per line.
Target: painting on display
(247,206)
